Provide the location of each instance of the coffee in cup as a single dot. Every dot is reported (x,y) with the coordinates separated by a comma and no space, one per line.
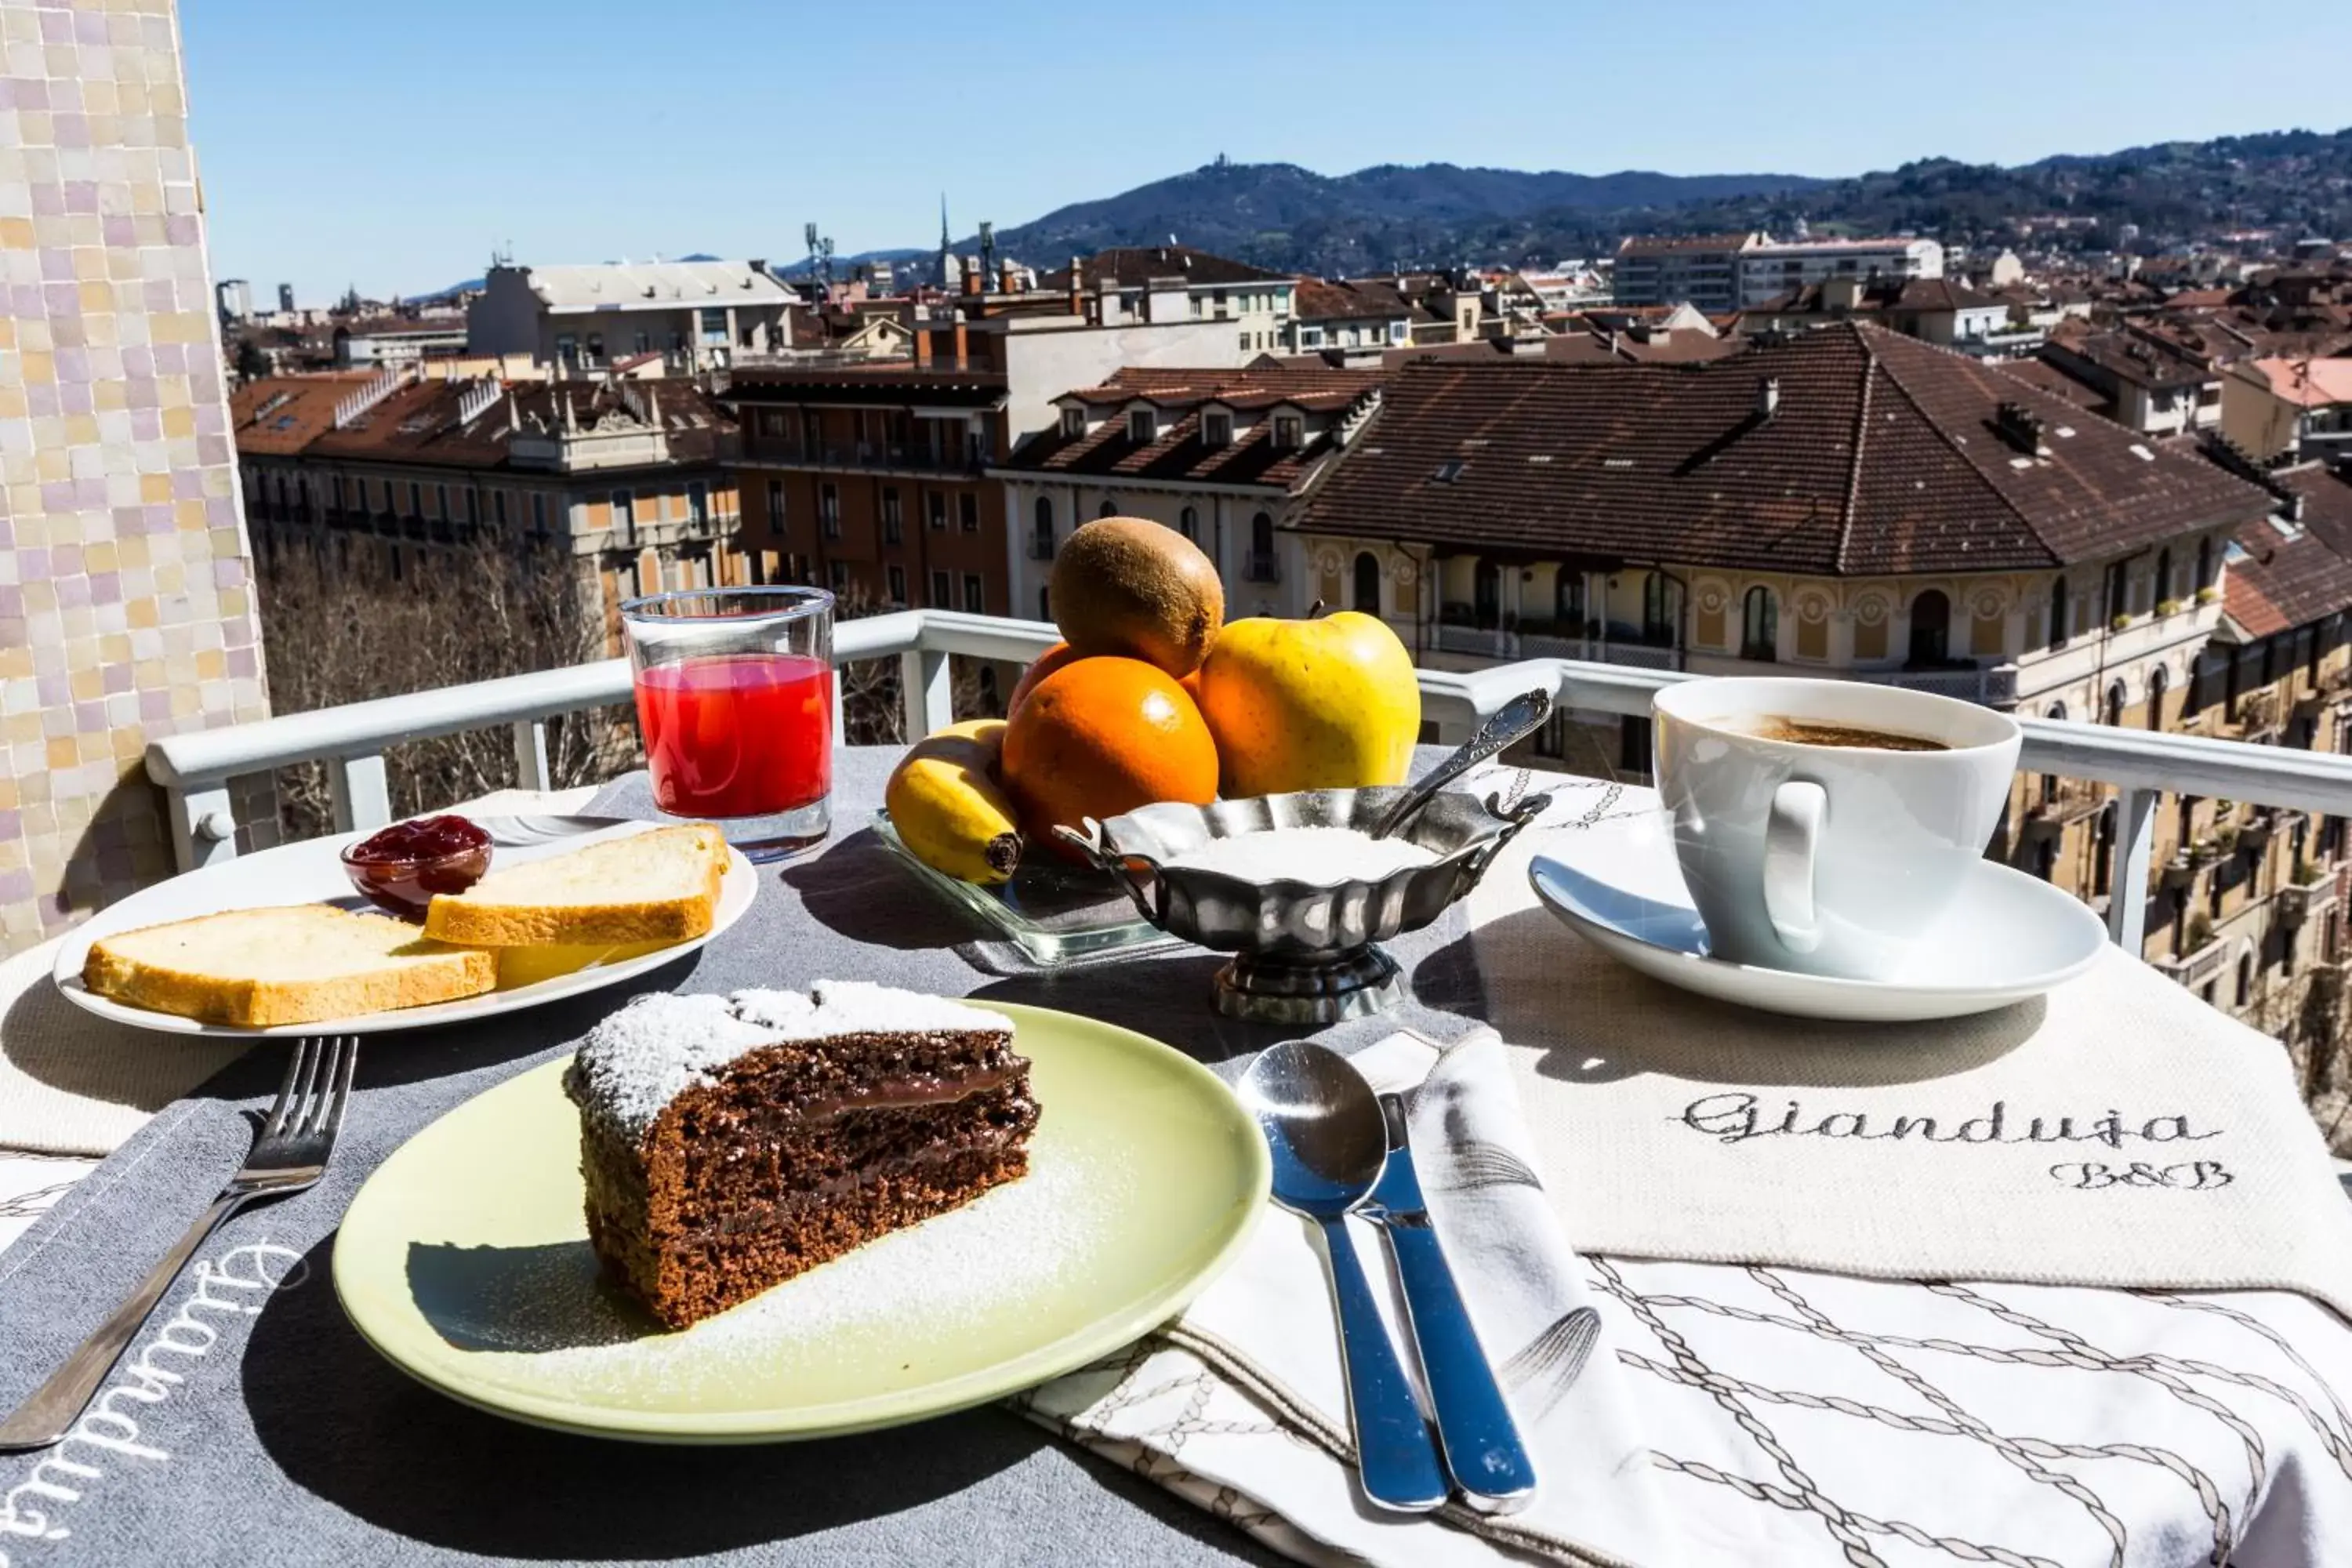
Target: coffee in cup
(1824,825)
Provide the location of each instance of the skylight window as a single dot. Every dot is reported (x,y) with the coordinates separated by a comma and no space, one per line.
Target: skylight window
(2233,552)
(2142,453)
(1449,471)
(2282,528)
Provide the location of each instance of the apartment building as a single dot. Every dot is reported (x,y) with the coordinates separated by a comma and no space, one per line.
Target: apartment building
(872,477)
(2298,408)
(1364,316)
(1255,305)
(375,341)
(1224,456)
(629,478)
(1933,309)
(1721,272)
(697,314)
(2246,909)
(1774,268)
(1845,502)
(2151,384)
(1701,269)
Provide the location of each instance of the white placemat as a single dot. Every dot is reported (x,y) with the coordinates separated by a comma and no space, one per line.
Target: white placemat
(72,1083)
(2119,1133)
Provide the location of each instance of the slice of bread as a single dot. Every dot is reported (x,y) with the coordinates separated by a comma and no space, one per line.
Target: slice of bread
(661,886)
(291,964)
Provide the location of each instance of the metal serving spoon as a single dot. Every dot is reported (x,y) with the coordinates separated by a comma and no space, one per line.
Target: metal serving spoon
(1329,1142)
(1511,723)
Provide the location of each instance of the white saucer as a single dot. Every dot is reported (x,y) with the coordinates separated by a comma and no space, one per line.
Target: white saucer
(2006,938)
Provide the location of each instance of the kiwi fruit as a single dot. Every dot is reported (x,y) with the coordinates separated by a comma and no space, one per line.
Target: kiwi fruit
(1139,589)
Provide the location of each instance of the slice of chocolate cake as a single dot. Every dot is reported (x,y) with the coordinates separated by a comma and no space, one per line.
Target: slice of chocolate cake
(730,1142)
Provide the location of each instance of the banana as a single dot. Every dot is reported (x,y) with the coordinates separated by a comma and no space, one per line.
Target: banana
(948,808)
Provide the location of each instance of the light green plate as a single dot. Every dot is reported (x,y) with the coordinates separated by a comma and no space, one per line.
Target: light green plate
(465,1260)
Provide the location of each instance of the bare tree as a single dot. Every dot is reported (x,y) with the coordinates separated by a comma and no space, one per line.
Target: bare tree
(343,625)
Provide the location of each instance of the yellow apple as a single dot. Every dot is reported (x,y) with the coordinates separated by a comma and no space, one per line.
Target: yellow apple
(1329,704)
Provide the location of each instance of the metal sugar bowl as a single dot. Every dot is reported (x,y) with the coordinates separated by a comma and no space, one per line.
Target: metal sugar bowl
(1304,953)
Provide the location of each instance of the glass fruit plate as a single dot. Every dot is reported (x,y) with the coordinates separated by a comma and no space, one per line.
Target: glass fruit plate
(1055,913)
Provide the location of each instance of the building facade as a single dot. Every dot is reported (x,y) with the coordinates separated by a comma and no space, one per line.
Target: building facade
(697,314)
(1771,270)
(1224,456)
(630,480)
(1255,305)
(1695,269)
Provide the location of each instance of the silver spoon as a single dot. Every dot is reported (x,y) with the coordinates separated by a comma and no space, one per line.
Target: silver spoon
(1329,1142)
(1511,723)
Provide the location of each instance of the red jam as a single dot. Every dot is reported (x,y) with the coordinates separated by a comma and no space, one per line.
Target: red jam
(402,866)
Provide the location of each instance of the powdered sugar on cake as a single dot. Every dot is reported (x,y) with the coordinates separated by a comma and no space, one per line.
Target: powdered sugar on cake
(645,1055)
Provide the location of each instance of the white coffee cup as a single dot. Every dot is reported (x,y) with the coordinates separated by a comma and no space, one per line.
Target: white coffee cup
(1817,859)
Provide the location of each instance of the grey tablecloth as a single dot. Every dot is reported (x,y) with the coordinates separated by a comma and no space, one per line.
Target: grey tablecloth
(253,1426)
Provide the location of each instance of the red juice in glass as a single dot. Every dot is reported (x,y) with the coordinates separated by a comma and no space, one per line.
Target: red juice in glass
(737,734)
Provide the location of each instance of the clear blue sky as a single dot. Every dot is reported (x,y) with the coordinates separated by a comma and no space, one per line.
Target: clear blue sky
(392,147)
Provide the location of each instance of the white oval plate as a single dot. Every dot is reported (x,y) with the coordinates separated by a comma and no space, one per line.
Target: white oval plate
(311,872)
(2006,938)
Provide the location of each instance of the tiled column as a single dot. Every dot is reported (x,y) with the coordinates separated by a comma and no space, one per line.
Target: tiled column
(126,606)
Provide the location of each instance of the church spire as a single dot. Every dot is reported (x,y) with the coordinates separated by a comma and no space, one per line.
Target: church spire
(949,277)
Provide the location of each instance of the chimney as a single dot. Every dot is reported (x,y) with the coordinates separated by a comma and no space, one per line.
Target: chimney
(1077,288)
(963,346)
(1010,279)
(2019,426)
(976,282)
(1768,397)
(923,347)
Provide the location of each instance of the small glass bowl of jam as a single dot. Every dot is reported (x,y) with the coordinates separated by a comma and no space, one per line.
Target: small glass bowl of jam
(402,866)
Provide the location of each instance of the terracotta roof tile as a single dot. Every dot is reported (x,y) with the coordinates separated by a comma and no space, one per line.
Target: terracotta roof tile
(1882,454)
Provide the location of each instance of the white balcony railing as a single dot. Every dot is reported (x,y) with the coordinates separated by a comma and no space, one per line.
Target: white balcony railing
(194,769)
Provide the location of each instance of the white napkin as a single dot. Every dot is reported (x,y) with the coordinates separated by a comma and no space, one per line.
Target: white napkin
(1239,1404)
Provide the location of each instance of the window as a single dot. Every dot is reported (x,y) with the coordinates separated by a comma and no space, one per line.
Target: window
(1188,523)
(935,509)
(497,508)
(2059,604)
(976,595)
(1289,430)
(1142,427)
(416,499)
(1041,533)
(968,512)
(1632,744)
(2204,563)
(698,504)
(1367,584)
(441,503)
(1074,422)
(837,574)
(1245,343)
(2163,576)
(1567,603)
(538,512)
(2118,591)
(897,584)
(339,492)
(1760,625)
(644,342)
(828,511)
(473,503)
(2117,697)
(1217,429)
(892,522)
(1261,561)
(713,324)
(625,515)
(1657,617)
(942,591)
(1931,630)
(1486,592)
(567,347)
(1109,508)
(2246,978)
(2157,682)
(775,506)
(595,346)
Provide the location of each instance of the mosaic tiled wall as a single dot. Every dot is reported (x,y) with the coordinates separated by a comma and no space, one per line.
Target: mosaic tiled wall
(126,606)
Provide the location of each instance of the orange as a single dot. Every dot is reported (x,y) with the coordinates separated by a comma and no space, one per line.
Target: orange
(1100,737)
(1052,659)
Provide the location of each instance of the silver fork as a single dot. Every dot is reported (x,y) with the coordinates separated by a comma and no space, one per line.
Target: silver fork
(290,1154)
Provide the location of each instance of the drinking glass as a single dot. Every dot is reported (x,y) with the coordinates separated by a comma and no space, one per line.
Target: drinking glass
(734,690)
